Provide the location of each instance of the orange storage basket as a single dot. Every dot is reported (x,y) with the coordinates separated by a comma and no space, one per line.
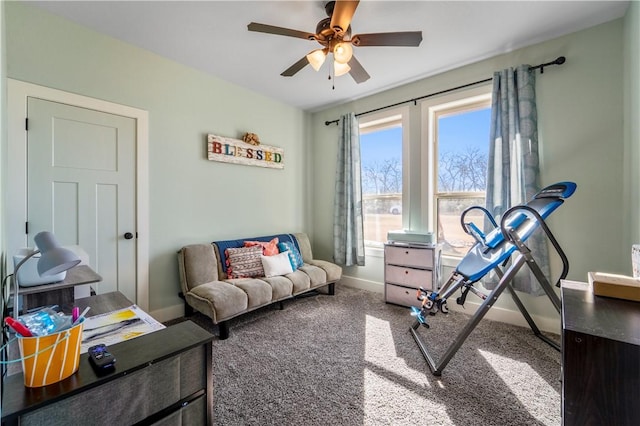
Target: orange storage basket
(51,358)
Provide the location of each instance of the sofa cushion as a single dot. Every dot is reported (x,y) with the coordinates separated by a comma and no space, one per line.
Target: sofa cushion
(258,292)
(276,265)
(317,275)
(301,281)
(244,262)
(281,287)
(333,271)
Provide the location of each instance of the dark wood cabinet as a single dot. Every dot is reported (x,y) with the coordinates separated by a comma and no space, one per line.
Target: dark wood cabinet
(600,358)
(161,378)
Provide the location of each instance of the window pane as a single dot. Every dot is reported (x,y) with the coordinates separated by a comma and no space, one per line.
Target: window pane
(381,156)
(463,148)
(455,241)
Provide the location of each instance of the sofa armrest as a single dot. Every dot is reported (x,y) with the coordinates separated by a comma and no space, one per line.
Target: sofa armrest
(334,272)
(305,246)
(197,265)
(218,300)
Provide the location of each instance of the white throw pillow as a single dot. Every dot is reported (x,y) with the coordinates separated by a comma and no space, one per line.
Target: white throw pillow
(275,265)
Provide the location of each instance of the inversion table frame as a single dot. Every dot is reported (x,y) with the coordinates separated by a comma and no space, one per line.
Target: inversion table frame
(491,252)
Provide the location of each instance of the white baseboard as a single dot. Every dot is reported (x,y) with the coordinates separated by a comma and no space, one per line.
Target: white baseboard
(361,284)
(168,313)
(547,324)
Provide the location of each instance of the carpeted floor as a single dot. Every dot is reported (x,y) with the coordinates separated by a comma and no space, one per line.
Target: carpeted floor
(349,359)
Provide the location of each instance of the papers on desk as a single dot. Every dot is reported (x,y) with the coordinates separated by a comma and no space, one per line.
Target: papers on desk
(117,326)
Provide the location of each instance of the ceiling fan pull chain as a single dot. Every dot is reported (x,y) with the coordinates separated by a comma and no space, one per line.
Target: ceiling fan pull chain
(333,80)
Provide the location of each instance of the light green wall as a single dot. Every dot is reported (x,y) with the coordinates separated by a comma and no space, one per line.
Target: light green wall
(580,108)
(3,130)
(3,138)
(632,123)
(192,200)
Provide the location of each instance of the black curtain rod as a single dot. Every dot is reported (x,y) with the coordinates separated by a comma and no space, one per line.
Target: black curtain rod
(559,61)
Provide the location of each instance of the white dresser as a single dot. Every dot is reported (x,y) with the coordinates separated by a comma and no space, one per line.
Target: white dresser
(407,267)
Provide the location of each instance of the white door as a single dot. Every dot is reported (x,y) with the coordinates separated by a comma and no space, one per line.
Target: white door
(81,186)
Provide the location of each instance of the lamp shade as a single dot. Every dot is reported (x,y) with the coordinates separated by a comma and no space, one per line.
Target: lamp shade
(316,58)
(342,52)
(340,69)
(53,258)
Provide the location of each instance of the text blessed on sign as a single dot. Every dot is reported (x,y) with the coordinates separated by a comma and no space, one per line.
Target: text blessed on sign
(229,150)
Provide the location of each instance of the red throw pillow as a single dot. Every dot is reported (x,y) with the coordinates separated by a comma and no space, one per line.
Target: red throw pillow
(268,248)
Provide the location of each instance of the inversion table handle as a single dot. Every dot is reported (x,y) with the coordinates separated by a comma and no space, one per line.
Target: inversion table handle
(470,228)
(545,228)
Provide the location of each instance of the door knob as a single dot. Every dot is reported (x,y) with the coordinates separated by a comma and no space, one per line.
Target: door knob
(128,236)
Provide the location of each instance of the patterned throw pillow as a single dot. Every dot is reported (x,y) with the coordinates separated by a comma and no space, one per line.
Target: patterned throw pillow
(294,254)
(244,262)
(268,248)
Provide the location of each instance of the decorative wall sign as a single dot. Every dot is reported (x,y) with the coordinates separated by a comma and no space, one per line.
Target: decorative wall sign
(235,151)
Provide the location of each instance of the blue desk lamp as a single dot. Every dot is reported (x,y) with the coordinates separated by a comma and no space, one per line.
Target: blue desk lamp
(54,259)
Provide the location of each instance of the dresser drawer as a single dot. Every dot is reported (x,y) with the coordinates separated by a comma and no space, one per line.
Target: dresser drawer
(409,256)
(409,277)
(401,295)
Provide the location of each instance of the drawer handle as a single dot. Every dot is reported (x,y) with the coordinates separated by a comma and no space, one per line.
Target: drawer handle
(406,272)
(406,252)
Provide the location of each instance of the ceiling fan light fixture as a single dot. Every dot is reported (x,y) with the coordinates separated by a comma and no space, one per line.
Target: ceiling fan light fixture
(334,34)
(342,52)
(316,58)
(340,69)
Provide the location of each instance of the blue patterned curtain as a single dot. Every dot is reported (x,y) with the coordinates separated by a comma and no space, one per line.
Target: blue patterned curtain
(348,230)
(513,166)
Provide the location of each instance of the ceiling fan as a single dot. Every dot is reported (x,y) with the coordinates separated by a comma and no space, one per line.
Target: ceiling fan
(334,34)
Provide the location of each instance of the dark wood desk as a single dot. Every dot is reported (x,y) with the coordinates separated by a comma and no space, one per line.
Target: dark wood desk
(162,377)
(600,358)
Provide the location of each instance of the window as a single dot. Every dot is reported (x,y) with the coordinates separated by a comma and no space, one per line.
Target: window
(459,136)
(381,148)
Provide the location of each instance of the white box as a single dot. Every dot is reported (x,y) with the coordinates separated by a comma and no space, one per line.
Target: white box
(406,236)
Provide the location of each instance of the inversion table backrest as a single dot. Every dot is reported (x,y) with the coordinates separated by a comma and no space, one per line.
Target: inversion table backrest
(485,256)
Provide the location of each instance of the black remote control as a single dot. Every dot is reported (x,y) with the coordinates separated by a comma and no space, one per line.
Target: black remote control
(100,357)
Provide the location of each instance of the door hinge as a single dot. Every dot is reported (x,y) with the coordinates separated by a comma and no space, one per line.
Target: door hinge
(26,124)
(26,228)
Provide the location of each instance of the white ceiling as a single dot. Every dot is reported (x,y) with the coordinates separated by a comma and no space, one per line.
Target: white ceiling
(212,36)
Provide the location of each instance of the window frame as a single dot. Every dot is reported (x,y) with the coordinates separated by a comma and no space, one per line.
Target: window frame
(431,110)
(380,121)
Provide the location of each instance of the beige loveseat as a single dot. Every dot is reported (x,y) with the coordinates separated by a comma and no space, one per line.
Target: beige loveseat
(208,286)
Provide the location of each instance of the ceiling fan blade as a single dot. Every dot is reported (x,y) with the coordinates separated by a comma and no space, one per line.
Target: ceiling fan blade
(293,69)
(342,13)
(270,29)
(406,38)
(357,71)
